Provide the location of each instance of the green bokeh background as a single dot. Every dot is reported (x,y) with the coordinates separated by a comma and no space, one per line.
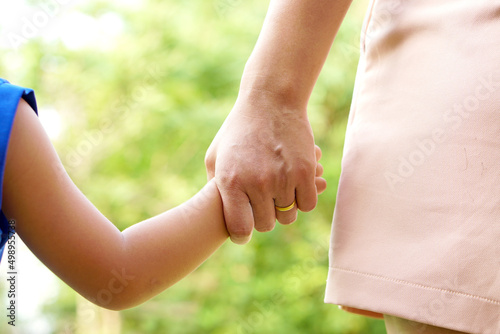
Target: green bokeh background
(138,119)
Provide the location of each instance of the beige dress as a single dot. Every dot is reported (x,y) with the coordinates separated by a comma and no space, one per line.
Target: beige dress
(416,228)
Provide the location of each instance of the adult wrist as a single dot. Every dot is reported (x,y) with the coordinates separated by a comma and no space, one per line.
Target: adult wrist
(272,89)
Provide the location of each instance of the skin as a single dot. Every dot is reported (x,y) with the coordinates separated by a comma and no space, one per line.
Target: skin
(395,325)
(263,155)
(115,270)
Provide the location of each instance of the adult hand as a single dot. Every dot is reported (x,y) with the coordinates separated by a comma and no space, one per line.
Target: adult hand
(263,156)
(264,153)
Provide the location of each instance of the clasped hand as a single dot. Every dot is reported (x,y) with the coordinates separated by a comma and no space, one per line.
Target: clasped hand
(264,159)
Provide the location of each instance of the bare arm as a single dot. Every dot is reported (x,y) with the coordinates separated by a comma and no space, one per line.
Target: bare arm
(65,231)
(291,50)
(69,235)
(263,155)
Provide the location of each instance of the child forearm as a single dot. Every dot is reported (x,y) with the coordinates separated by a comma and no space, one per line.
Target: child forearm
(163,249)
(70,236)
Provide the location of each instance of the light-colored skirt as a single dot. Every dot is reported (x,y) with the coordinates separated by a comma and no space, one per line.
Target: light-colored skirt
(416,228)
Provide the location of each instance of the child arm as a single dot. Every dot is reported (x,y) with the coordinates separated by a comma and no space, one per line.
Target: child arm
(67,233)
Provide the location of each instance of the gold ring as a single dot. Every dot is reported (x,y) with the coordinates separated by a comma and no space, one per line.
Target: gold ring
(285,208)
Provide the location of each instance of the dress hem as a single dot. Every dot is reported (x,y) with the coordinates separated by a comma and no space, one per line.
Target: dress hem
(357,291)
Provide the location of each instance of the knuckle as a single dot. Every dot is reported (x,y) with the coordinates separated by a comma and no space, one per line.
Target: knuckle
(240,231)
(228,179)
(282,181)
(262,180)
(284,171)
(289,219)
(265,227)
(259,180)
(244,179)
(305,168)
(284,175)
(238,227)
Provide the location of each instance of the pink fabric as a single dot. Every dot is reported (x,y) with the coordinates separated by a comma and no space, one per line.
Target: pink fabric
(416,228)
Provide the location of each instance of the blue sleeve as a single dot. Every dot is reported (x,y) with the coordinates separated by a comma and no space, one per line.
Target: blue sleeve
(9,100)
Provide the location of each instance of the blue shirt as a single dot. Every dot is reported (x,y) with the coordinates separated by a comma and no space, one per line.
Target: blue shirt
(9,99)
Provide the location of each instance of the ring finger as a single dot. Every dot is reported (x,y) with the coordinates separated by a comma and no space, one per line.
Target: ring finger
(286,208)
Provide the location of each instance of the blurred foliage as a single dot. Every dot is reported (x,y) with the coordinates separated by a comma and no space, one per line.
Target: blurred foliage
(138,118)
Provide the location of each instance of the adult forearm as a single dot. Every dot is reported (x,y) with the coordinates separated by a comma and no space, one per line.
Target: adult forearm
(291,50)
